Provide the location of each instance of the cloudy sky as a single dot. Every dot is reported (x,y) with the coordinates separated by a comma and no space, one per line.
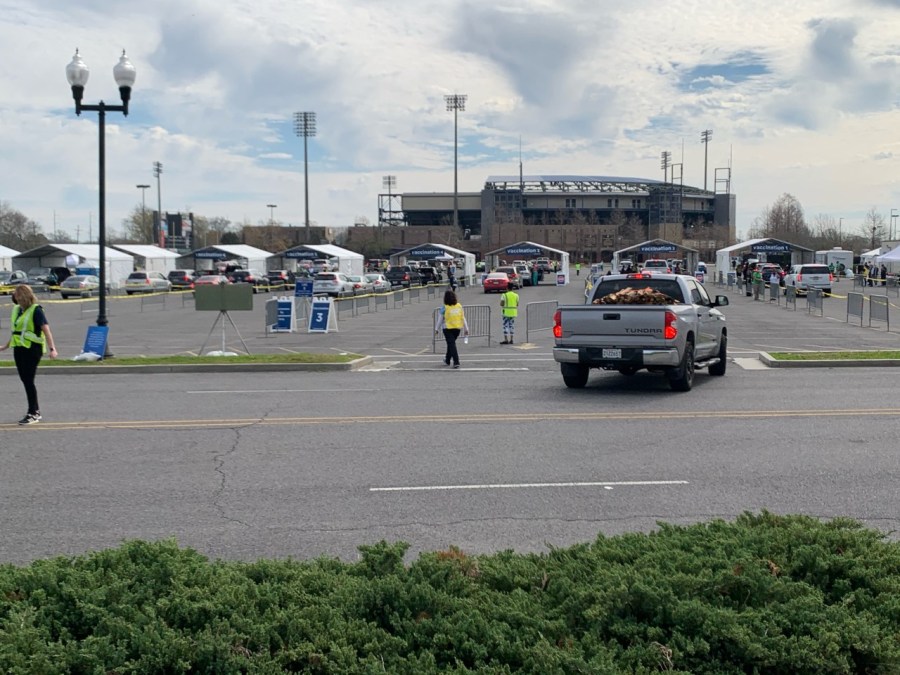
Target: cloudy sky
(802,97)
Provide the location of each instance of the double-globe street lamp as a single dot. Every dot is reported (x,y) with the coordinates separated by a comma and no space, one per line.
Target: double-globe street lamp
(124,73)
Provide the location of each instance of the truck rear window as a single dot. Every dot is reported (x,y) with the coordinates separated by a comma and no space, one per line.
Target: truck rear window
(814,269)
(669,287)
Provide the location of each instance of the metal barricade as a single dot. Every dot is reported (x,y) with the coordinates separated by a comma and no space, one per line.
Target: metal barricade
(774,289)
(815,301)
(720,278)
(431,291)
(855,306)
(859,280)
(478,318)
(414,294)
(878,310)
(186,297)
(153,299)
(344,304)
(381,299)
(732,280)
(399,300)
(539,316)
(360,302)
(790,297)
(892,287)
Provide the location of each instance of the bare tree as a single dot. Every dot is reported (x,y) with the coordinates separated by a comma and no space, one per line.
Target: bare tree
(137,226)
(873,226)
(17,231)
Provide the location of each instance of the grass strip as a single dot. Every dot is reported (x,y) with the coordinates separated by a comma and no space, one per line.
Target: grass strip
(836,356)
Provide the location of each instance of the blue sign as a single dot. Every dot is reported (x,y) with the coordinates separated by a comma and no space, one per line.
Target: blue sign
(95,271)
(425,253)
(658,248)
(771,247)
(285,315)
(319,316)
(523,250)
(95,340)
(210,255)
(303,288)
(302,254)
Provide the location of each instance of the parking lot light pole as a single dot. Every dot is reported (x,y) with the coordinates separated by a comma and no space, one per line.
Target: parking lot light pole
(455,103)
(143,189)
(305,126)
(77,73)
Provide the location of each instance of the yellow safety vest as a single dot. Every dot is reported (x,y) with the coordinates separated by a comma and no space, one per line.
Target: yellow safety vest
(453,316)
(23,334)
(510,304)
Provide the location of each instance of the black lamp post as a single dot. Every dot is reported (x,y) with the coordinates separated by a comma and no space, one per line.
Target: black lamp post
(77,73)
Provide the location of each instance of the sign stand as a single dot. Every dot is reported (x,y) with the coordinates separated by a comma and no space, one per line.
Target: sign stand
(223,314)
(321,316)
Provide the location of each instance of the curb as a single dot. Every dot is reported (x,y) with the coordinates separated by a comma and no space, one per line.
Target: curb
(825,363)
(199,368)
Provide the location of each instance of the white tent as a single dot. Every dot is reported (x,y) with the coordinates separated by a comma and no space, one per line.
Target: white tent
(6,256)
(248,257)
(525,250)
(466,275)
(150,258)
(82,257)
(874,253)
(349,262)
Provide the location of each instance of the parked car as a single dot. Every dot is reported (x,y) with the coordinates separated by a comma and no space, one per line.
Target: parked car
(404,275)
(515,281)
(379,283)
(335,284)
(496,282)
(253,277)
(80,286)
(524,273)
(40,274)
(658,265)
(281,278)
(182,278)
(804,277)
(323,265)
(12,278)
(361,285)
(212,280)
(147,282)
(430,275)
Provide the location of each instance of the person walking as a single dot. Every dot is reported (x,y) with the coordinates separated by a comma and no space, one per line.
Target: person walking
(452,320)
(577,269)
(30,339)
(509,301)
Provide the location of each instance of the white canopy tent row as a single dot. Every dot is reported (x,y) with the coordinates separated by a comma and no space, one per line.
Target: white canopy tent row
(348,262)
(528,250)
(764,249)
(150,258)
(207,258)
(465,273)
(6,256)
(657,249)
(82,258)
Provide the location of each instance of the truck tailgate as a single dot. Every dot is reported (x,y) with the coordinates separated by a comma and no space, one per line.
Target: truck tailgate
(619,325)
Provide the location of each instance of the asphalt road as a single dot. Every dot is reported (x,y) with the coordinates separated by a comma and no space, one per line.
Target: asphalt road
(496,455)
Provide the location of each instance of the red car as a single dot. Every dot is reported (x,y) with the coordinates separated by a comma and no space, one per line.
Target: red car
(515,279)
(496,281)
(212,280)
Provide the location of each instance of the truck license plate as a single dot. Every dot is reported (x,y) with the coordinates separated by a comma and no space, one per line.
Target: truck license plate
(612,353)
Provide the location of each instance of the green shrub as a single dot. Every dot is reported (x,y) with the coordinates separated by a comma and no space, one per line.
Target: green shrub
(764,594)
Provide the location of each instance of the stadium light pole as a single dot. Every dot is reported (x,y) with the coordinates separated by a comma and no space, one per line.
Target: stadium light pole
(840,232)
(77,73)
(893,231)
(271,208)
(455,102)
(705,137)
(665,161)
(143,189)
(157,172)
(305,126)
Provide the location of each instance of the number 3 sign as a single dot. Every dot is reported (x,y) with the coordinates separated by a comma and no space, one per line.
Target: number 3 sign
(321,316)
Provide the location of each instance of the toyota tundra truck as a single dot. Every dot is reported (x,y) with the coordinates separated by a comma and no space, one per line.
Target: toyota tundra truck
(684,333)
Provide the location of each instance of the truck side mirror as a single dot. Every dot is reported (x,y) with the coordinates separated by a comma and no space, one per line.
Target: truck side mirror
(721,301)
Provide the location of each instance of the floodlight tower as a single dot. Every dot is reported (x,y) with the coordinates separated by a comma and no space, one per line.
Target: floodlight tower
(455,102)
(305,126)
(705,137)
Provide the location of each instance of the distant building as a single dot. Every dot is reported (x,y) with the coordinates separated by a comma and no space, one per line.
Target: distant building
(588,216)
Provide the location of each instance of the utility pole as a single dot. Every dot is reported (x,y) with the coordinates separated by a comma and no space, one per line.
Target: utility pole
(143,189)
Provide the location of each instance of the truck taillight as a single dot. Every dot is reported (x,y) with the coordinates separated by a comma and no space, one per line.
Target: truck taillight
(557,324)
(799,277)
(670,332)
(830,277)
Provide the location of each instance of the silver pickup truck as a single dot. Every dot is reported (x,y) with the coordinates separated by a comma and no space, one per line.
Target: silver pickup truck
(674,339)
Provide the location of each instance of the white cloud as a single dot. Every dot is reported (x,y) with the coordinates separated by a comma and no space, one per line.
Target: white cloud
(591,87)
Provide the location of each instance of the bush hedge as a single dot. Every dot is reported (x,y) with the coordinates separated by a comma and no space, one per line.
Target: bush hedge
(763,594)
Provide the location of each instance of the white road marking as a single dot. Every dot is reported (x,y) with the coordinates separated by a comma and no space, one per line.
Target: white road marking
(500,486)
(274,391)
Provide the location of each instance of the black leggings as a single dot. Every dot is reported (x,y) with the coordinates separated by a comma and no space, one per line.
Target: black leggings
(27,360)
(450,335)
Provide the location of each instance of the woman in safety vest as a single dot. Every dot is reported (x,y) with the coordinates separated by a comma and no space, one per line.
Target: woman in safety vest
(30,338)
(452,320)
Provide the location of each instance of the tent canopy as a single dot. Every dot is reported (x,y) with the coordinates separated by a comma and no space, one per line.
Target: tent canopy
(349,262)
(891,256)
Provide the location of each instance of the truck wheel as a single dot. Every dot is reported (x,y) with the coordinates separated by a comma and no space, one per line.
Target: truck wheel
(681,378)
(628,370)
(719,368)
(574,375)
